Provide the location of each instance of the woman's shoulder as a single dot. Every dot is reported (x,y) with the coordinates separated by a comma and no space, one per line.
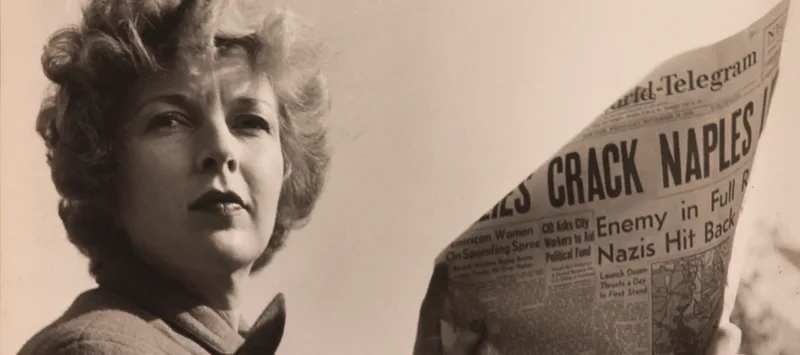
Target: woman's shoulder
(98,322)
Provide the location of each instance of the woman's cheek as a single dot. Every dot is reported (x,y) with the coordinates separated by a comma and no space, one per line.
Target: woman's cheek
(161,173)
(263,173)
(262,164)
(168,156)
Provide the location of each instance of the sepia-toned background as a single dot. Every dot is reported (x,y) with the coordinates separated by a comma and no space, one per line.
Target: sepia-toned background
(440,108)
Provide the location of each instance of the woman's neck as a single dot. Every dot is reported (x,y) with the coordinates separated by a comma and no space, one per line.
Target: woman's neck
(136,274)
(221,291)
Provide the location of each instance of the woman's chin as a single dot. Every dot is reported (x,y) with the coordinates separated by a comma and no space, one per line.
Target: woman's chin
(236,248)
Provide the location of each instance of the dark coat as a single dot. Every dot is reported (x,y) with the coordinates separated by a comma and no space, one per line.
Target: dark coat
(134,310)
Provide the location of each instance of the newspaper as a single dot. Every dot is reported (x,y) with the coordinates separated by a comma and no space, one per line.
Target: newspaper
(621,242)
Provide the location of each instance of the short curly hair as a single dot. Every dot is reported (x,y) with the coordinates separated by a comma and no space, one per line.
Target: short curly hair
(95,65)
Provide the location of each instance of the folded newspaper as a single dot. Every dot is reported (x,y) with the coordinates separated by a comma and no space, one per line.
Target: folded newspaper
(621,242)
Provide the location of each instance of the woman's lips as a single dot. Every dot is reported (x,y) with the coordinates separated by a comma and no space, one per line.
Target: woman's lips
(220,208)
(220,203)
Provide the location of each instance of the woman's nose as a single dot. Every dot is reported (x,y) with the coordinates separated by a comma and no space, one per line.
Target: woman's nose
(217,151)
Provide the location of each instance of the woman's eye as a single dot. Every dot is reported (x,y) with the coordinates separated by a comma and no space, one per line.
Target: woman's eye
(253,123)
(167,121)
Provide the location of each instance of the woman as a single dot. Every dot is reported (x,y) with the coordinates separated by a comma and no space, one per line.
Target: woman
(186,142)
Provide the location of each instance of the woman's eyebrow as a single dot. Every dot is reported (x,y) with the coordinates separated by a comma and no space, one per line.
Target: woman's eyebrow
(175,99)
(185,102)
(250,103)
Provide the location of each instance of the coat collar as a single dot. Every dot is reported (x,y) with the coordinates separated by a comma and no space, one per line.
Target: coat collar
(171,302)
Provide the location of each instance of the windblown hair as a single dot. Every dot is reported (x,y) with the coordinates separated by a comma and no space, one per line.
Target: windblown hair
(95,65)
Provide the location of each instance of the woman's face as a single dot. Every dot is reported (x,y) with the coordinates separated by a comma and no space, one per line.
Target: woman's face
(202,168)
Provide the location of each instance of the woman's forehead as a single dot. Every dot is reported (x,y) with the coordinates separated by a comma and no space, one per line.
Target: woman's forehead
(231,75)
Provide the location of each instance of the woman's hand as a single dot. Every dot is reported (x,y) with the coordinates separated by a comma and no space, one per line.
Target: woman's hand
(429,332)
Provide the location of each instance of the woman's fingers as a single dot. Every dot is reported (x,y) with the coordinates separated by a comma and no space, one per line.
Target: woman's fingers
(469,342)
(432,311)
(429,340)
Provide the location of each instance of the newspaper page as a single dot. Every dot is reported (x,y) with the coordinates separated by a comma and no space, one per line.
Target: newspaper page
(621,242)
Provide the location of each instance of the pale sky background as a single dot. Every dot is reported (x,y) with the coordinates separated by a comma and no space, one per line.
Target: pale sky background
(440,108)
